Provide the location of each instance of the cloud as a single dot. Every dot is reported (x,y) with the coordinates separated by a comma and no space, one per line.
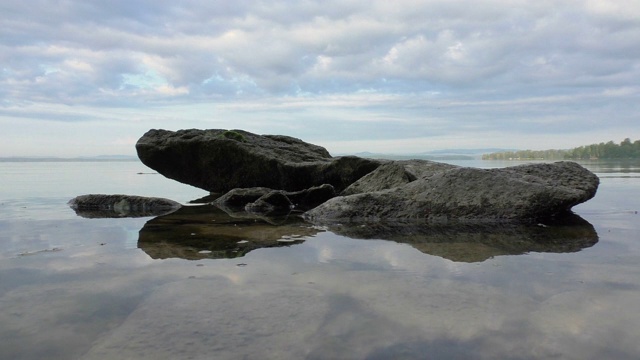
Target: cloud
(438,42)
(150,54)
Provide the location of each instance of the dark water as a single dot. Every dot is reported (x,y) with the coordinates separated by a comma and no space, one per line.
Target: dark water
(201,284)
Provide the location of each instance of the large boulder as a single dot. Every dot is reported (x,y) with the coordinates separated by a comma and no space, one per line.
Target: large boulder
(222,160)
(449,193)
(370,190)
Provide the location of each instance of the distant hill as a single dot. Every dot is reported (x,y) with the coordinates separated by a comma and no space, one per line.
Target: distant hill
(412,156)
(469,152)
(70,159)
(610,150)
(110,157)
(445,154)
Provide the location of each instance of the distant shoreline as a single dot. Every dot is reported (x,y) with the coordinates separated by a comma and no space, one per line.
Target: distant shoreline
(57,159)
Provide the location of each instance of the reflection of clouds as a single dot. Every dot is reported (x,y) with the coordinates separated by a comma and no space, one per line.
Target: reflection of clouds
(83,245)
(324,298)
(384,254)
(325,254)
(454,267)
(374,251)
(20,236)
(352,250)
(349,311)
(585,323)
(393,256)
(236,278)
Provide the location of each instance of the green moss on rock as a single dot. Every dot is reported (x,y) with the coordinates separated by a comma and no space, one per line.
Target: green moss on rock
(233,135)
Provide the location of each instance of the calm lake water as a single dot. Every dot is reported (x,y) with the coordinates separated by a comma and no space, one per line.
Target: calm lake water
(200,284)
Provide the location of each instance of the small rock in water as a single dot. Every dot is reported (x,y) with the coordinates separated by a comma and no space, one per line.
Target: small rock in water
(243,242)
(204,252)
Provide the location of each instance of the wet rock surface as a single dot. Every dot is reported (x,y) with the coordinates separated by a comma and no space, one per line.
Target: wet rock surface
(107,206)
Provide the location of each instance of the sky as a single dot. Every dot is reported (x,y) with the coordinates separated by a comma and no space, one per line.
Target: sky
(83,78)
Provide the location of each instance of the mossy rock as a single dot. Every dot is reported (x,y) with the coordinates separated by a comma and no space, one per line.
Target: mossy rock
(233,135)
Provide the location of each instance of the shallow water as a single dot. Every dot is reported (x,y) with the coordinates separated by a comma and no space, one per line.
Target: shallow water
(200,284)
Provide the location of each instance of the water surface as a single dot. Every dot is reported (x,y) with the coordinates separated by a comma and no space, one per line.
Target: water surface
(202,284)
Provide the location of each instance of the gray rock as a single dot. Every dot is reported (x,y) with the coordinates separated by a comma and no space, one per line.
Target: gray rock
(309,198)
(105,206)
(442,194)
(262,200)
(273,202)
(371,190)
(239,198)
(221,160)
(393,174)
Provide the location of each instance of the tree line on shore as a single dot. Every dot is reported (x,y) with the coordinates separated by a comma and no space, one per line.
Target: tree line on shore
(610,150)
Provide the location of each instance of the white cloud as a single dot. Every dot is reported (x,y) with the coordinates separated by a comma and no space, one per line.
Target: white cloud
(241,55)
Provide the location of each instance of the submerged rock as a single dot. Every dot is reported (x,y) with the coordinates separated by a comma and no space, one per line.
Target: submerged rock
(105,206)
(450,193)
(222,160)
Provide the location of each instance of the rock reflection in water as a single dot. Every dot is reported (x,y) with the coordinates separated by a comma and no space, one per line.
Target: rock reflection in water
(205,231)
(98,206)
(476,243)
(197,232)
